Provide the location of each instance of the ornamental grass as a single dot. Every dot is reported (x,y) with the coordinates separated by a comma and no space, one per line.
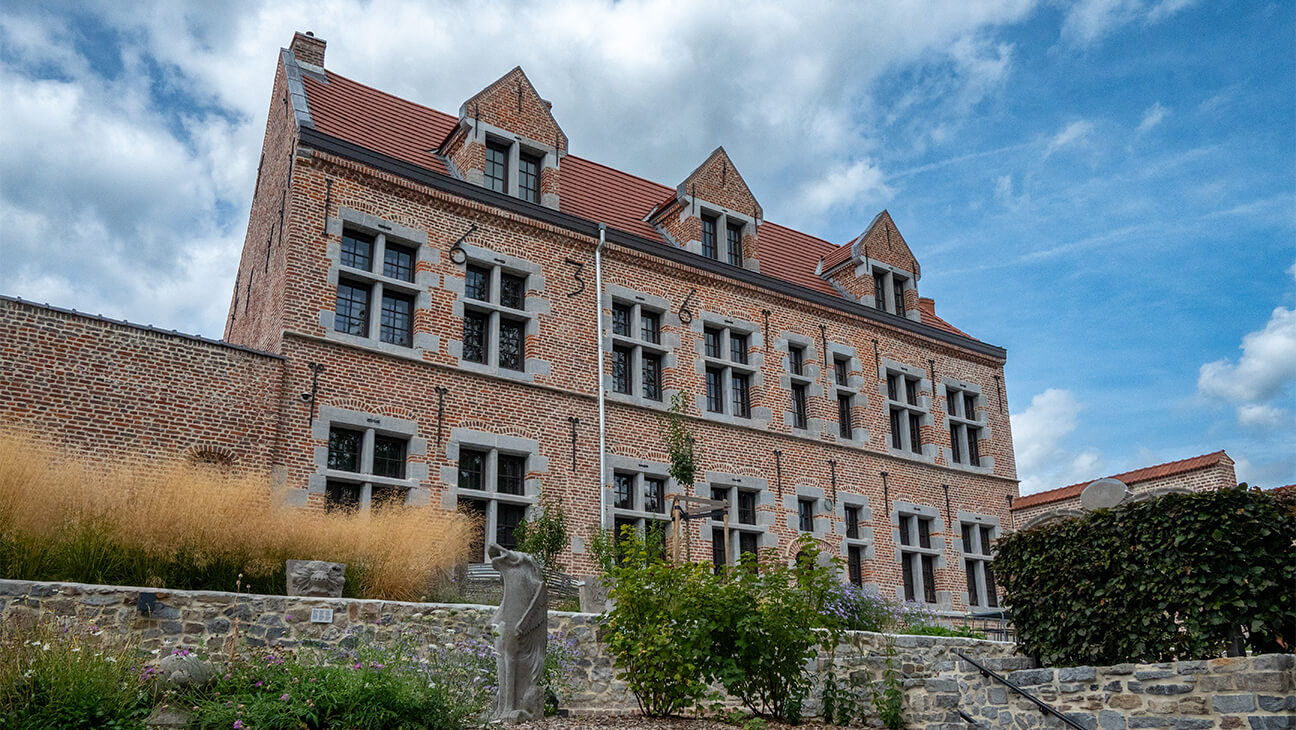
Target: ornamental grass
(182,525)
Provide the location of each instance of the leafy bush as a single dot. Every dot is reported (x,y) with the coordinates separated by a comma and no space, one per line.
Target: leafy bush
(188,526)
(1178,577)
(545,534)
(63,674)
(934,630)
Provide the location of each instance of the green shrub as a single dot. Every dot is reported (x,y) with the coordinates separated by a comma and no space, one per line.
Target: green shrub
(932,630)
(1178,577)
(61,674)
(544,535)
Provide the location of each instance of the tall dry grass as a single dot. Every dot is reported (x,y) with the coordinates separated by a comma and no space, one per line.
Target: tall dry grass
(182,525)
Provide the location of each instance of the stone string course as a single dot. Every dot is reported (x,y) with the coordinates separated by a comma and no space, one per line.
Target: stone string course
(1258,693)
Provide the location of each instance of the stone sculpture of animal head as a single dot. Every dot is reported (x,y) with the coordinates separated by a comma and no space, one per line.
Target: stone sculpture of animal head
(316,578)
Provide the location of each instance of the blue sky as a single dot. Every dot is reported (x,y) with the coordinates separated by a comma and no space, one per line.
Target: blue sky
(1106,187)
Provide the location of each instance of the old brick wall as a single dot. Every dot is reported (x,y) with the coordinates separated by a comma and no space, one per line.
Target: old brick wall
(109,390)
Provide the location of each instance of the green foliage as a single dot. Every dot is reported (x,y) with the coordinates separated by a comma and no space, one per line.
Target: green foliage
(931,630)
(544,536)
(60,674)
(1178,577)
(888,694)
(681,446)
(602,546)
(660,631)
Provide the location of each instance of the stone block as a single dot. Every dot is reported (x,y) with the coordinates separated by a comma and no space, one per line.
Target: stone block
(1146,674)
(1076,674)
(1121,669)
(1273,661)
(1191,723)
(1125,701)
(1192,705)
(1111,720)
(1233,703)
(1272,722)
(1028,677)
(1270,703)
(1196,667)
(1083,719)
(1169,689)
(941,685)
(1261,681)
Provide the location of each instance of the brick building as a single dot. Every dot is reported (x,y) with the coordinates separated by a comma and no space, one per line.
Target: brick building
(1197,474)
(453,310)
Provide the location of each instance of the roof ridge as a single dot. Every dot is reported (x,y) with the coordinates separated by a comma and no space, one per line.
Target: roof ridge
(1055,491)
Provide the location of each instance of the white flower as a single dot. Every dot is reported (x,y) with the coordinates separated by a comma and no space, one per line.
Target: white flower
(75,649)
(112,659)
(45,647)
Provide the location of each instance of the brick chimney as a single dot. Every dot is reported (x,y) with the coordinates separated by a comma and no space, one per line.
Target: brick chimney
(308,49)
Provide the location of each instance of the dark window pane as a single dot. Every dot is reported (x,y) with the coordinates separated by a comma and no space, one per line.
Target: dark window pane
(720,493)
(969,407)
(915,434)
(737,347)
(952,401)
(475,509)
(733,237)
(741,395)
(805,515)
(899,296)
(879,291)
(357,250)
(974,448)
(623,486)
(344,449)
(893,386)
(711,338)
(709,237)
(652,376)
(985,540)
(654,495)
(852,522)
(929,578)
(384,496)
(799,416)
(474,339)
(970,567)
(507,518)
(397,323)
(911,391)
(968,546)
(512,291)
(841,372)
(512,347)
(389,457)
(718,548)
(472,469)
(714,390)
(855,564)
(956,448)
(477,283)
(529,177)
(621,314)
(512,474)
(650,327)
(896,439)
(796,360)
(845,426)
(905,538)
(398,262)
(906,568)
(352,309)
(341,497)
(924,533)
(747,508)
(497,167)
(747,543)
(621,357)
(992,593)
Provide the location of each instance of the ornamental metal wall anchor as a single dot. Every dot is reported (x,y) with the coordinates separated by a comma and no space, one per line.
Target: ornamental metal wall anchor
(686,314)
(522,622)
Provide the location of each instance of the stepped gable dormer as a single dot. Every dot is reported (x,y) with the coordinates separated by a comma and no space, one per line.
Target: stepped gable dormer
(713,213)
(877,269)
(508,140)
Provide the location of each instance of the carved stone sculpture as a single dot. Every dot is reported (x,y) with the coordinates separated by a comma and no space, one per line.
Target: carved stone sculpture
(316,578)
(523,622)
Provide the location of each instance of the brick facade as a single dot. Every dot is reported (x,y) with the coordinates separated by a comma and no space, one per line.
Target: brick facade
(409,179)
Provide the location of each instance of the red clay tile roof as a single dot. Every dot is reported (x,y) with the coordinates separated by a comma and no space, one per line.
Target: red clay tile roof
(1167,469)
(411,132)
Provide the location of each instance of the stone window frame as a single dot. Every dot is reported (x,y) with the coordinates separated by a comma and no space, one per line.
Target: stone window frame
(419,289)
(754,367)
(907,510)
(811,368)
(763,529)
(693,207)
(534,305)
(967,425)
(493,444)
(860,435)
(642,471)
(974,557)
(864,537)
(669,326)
(416,472)
(549,159)
(823,510)
(871,270)
(921,410)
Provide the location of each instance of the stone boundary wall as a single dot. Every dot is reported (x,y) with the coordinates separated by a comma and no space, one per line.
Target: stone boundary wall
(206,621)
(1255,692)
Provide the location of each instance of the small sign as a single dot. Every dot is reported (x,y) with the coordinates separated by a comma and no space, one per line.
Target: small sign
(321,615)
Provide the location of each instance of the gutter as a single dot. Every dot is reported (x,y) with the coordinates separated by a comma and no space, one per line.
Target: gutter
(598,375)
(424,176)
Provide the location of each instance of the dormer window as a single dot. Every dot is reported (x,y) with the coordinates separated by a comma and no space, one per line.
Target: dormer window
(709,224)
(529,177)
(888,291)
(497,156)
(733,236)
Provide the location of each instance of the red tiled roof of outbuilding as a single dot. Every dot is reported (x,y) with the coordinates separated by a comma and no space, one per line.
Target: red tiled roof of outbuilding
(1167,469)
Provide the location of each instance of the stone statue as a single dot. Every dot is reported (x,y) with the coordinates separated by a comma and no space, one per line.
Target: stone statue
(316,578)
(523,623)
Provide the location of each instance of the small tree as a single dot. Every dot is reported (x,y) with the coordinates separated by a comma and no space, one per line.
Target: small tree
(681,446)
(545,535)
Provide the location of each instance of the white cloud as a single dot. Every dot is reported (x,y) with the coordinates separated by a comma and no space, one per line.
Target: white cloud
(1089,20)
(1045,457)
(1261,415)
(1266,369)
(1071,134)
(1152,117)
(860,183)
(1167,8)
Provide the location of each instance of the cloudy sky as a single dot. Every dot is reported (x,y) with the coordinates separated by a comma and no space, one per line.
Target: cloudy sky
(1105,187)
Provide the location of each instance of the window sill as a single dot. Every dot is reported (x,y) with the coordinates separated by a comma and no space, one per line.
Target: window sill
(358,478)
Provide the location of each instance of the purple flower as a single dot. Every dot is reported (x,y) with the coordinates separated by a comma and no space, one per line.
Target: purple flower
(285,697)
(238,725)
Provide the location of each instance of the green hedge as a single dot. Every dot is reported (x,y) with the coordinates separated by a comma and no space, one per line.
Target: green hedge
(1178,577)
